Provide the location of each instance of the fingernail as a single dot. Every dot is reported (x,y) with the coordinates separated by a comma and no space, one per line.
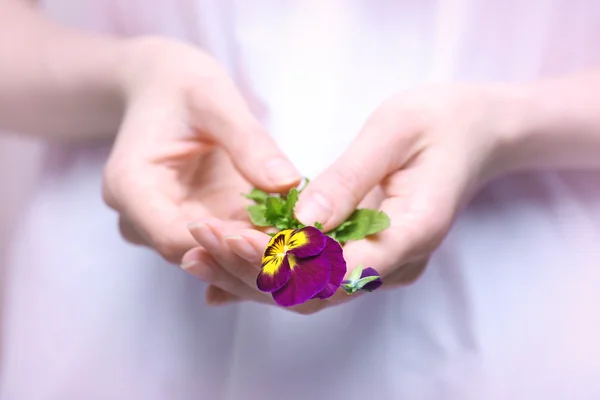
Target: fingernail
(193,268)
(282,172)
(316,208)
(242,248)
(189,264)
(204,235)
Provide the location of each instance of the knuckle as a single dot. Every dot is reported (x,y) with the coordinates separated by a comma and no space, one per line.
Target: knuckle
(108,190)
(168,249)
(115,176)
(126,231)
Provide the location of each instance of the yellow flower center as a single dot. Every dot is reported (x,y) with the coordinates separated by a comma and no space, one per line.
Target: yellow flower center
(277,250)
(282,252)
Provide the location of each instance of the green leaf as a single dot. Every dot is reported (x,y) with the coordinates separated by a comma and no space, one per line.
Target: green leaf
(274,212)
(355,275)
(345,225)
(355,283)
(258,196)
(350,231)
(319,226)
(379,221)
(362,223)
(341,228)
(349,289)
(283,224)
(290,202)
(257,213)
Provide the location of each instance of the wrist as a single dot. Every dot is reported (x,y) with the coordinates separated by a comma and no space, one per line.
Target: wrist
(511,126)
(523,114)
(156,65)
(551,124)
(93,80)
(494,116)
(59,83)
(147,64)
(137,59)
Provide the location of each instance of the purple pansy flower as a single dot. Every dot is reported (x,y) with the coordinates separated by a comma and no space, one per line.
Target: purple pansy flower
(301,264)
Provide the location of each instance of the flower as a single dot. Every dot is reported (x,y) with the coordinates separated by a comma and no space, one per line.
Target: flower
(301,264)
(363,280)
(370,286)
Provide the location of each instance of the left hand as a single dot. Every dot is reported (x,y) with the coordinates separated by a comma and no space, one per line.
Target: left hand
(429,151)
(187,148)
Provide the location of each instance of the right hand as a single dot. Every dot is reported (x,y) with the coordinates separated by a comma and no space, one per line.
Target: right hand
(187,148)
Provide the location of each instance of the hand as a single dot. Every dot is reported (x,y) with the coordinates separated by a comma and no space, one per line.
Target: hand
(419,158)
(429,151)
(187,148)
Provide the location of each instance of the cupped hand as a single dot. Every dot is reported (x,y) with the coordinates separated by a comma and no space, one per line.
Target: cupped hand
(429,151)
(188,147)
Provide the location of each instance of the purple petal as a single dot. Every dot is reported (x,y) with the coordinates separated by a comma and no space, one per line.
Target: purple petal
(369,287)
(306,242)
(308,277)
(334,252)
(274,274)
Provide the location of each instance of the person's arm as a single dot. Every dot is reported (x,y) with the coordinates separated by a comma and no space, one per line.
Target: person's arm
(554,123)
(56,82)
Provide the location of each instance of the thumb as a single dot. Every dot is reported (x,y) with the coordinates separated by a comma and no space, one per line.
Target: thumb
(334,195)
(223,115)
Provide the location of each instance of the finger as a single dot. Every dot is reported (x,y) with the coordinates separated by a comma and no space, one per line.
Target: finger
(210,234)
(249,244)
(200,263)
(373,199)
(383,145)
(215,296)
(421,213)
(221,113)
